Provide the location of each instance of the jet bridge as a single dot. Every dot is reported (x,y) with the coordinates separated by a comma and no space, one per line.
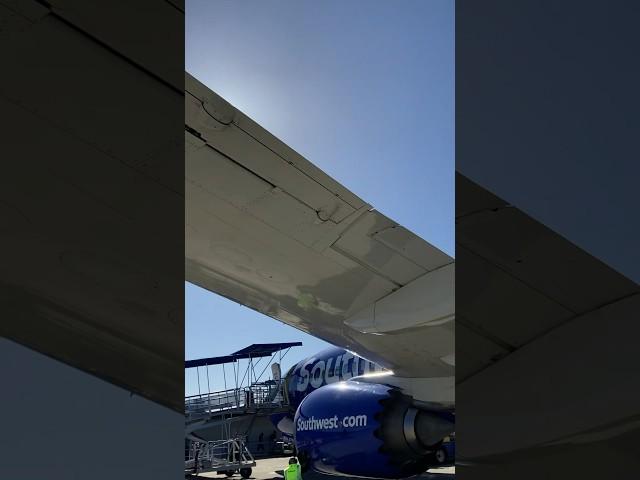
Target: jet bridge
(243,408)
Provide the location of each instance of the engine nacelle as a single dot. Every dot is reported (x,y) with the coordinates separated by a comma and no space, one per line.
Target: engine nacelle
(367,430)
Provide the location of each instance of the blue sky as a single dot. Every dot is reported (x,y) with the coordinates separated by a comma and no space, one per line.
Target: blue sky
(364,90)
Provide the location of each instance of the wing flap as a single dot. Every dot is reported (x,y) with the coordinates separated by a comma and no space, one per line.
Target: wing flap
(360,244)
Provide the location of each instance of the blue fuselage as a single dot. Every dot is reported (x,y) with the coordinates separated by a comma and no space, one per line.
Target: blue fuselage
(331,365)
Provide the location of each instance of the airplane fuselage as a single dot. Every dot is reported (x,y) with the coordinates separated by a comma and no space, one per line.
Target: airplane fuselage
(331,365)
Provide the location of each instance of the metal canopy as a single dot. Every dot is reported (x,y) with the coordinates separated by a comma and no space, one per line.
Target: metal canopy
(201,362)
(263,349)
(255,350)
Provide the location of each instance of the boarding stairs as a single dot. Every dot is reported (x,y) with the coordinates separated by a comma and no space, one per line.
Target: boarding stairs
(220,456)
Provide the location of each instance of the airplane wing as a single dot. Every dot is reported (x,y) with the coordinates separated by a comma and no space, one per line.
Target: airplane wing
(269,230)
(543,346)
(80,279)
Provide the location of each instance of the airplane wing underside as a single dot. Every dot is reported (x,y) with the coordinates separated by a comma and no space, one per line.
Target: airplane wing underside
(267,229)
(90,200)
(526,301)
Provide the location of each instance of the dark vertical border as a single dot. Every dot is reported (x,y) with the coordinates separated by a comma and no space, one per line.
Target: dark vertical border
(546,239)
(92,239)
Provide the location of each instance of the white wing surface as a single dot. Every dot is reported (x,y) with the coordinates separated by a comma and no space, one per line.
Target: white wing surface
(269,230)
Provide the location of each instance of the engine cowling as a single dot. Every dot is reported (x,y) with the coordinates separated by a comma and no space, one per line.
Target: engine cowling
(368,430)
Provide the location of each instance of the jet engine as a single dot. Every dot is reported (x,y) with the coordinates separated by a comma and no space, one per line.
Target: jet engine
(368,430)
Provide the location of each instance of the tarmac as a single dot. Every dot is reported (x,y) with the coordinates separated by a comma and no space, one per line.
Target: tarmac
(271,469)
